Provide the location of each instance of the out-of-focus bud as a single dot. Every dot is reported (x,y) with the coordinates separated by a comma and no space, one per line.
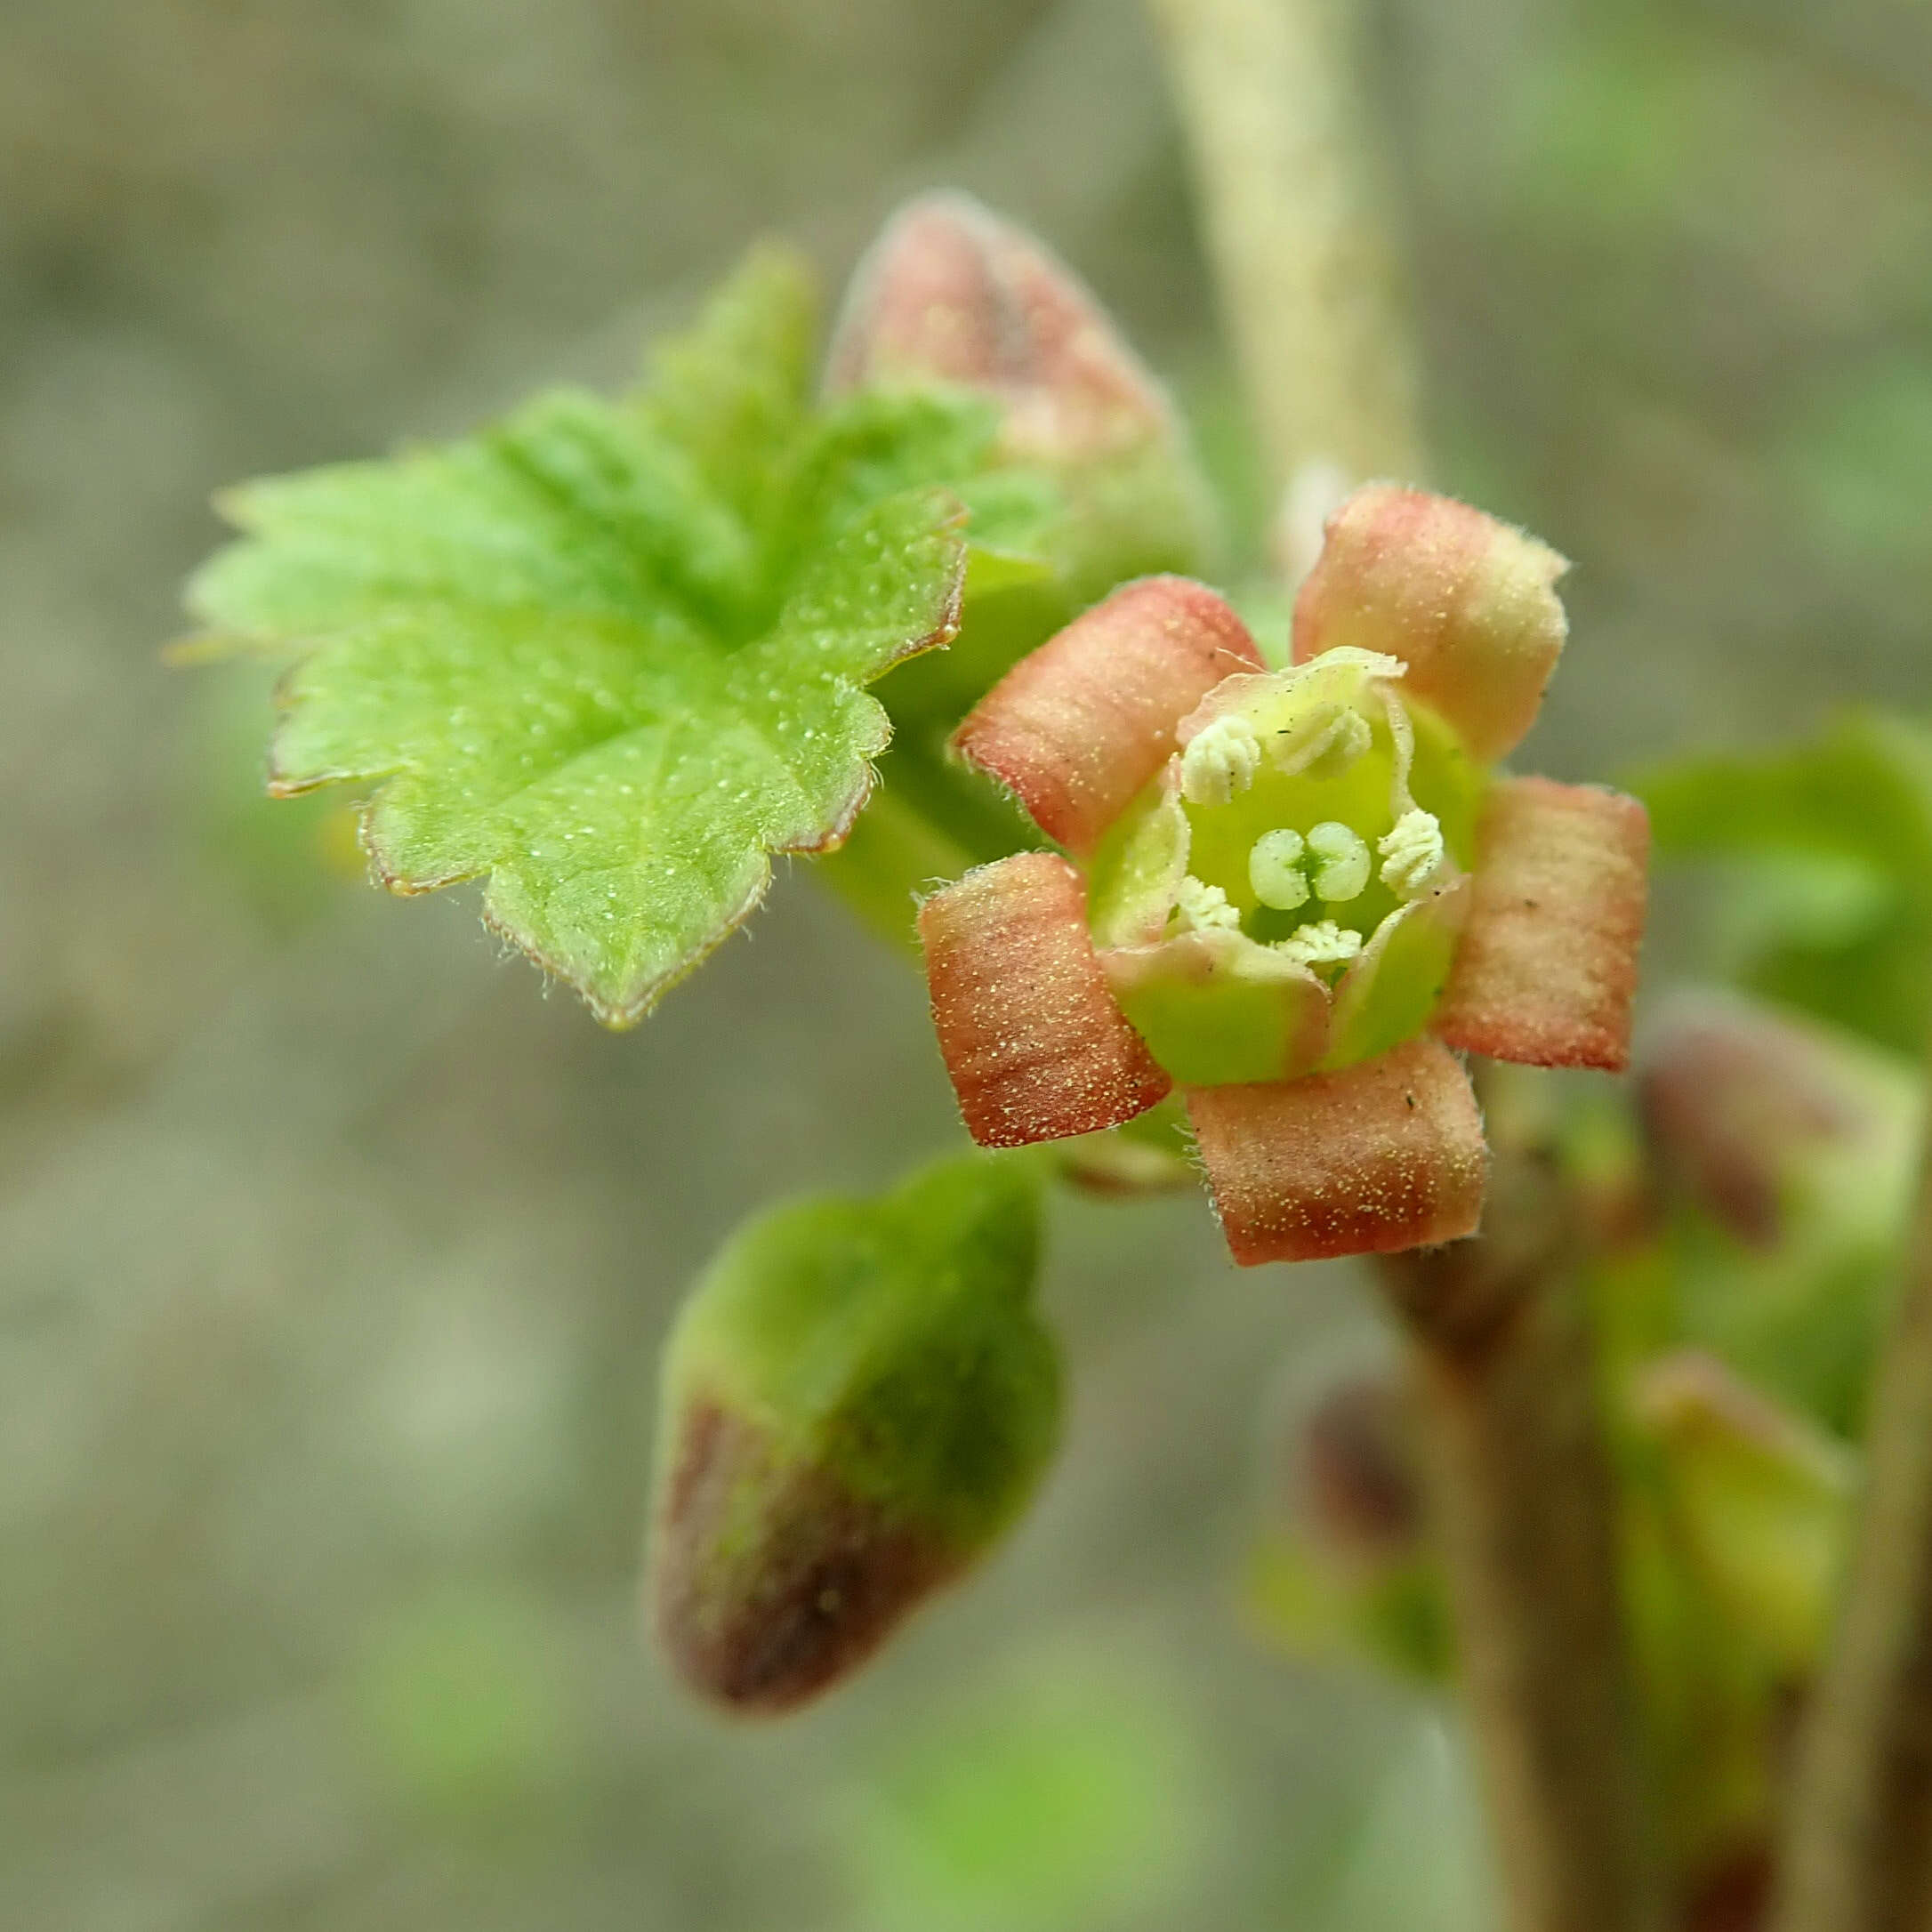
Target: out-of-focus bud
(1761,1502)
(858,1399)
(1356,1472)
(951,292)
(1758,1116)
(1348,1566)
(1468,603)
(1733,1892)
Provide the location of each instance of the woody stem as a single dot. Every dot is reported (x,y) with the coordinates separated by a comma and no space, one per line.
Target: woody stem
(1524,1513)
(1857,1852)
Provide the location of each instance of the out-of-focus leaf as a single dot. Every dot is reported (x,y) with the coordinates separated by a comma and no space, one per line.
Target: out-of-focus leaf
(1395,1615)
(1789,1150)
(459,1702)
(1760,1499)
(1859,455)
(1065,1803)
(1817,868)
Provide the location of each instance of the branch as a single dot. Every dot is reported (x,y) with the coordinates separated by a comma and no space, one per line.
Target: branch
(1524,1517)
(1273,119)
(1857,1856)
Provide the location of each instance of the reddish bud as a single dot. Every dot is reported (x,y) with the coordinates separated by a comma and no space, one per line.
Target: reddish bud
(775,1579)
(1741,1105)
(951,292)
(1358,1474)
(857,1399)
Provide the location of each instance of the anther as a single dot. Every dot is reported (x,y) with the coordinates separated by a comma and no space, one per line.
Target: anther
(1220,759)
(1203,907)
(1320,943)
(1412,853)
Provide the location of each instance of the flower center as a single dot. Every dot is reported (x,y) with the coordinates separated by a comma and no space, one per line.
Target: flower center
(1300,831)
(1284,895)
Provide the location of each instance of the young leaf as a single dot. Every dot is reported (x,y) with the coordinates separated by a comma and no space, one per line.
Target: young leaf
(612,654)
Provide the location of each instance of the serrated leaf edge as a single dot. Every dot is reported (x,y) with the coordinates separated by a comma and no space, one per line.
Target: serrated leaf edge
(636,1004)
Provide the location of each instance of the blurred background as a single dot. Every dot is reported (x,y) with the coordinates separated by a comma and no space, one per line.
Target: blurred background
(334,1254)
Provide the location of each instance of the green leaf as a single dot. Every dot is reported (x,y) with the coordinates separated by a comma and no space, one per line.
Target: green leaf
(1817,869)
(1861,789)
(612,654)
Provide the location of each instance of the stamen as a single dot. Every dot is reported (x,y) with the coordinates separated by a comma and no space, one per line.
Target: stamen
(1275,870)
(1412,853)
(1320,943)
(1330,750)
(1343,871)
(1202,906)
(1220,759)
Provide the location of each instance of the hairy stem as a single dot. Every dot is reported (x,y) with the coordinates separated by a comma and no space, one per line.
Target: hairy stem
(1269,99)
(1524,1511)
(1857,1856)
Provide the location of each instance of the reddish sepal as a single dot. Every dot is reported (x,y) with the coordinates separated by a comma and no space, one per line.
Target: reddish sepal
(1547,967)
(1036,1044)
(1078,727)
(1385,1155)
(1468,603)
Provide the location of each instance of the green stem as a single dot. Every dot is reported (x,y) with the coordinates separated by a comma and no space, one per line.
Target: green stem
(1857,1854)
(1274,119)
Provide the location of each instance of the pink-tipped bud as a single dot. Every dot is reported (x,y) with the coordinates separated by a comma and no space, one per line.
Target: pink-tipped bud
(1469,604)
(857,1400)
(951,292)
(1748,1112)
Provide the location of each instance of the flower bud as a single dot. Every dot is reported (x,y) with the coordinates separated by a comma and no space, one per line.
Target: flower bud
(1358,1475)
(1348,1568)
(1758,1117)
(1760,1500)
(951,292)
(858,1399)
